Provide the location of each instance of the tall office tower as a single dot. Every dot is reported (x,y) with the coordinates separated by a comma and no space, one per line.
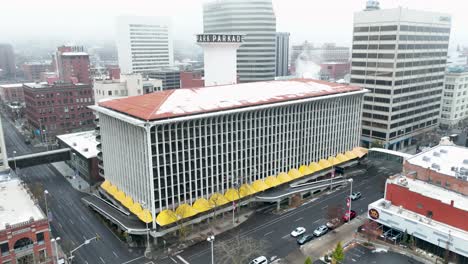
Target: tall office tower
(7,61)
(399,55)
(256,19)
(144,44)
(282,53)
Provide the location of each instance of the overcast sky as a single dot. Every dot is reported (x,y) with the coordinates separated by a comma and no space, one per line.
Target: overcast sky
(313,20)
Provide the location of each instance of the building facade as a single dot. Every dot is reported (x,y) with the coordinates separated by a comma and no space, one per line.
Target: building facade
(126,85)
(7,61)
(72,64)
(401,60)
(58,108)
(144,44)
(32,70)
(256,19)
(189,146)
(191,79)
(282,54)
(428,201)
(455,97)
(170,77)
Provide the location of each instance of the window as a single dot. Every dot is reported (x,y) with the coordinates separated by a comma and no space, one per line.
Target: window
(42,256)
(40,238)
(4,249)
(109,92)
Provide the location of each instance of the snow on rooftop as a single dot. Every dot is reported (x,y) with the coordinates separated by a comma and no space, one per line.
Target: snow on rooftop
(16,205)
(179,102)
(442,159)
(74,54)
(82,142)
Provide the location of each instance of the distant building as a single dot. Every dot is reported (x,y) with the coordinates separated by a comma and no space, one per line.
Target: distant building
(457,59)
(32,70)
(257,20)
(84,149)
(54,109)
(24,228)
(144,44)
(170,77)
(12,99)
(191,79)
(333,71)
(125,85)
(429,202)
(455,97)
(282,53)
(7,61)
(72,64)
(400,56)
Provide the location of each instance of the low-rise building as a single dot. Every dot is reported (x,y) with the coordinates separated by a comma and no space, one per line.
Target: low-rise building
(429,201)
(455,97)
(170,77)
(191,79)
(126,85)
(24,228)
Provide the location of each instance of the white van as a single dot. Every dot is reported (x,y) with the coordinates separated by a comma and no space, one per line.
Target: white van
(259,260)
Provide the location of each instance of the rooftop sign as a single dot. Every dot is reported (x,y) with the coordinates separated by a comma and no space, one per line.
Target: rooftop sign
(219,38)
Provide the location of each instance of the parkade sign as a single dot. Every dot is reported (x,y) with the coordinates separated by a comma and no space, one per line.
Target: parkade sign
(219,38)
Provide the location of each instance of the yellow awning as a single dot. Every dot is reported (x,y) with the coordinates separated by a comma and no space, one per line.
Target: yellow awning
(333,161)
(350,155)
(360,152)
(342,158)
(283,177)
(136,208)
(259,185)
(294,173)
(112,190)
(119,196)
(218,199)
(166,217)
(232,195)
(127,202)
(246,190)
(202,205)
(324,163)
(145,216)
(305,170)
(105,185)
(185,210)
(272,181)
(314,166)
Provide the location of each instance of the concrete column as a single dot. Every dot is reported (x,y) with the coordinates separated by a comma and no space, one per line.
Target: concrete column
(278,205)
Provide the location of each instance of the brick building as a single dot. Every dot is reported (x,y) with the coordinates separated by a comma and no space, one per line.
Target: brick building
(24,230)
(73,64)
(12,99)
(58,108)
(191,79)
(334,70)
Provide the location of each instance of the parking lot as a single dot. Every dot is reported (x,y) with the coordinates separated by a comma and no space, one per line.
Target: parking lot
(361,254)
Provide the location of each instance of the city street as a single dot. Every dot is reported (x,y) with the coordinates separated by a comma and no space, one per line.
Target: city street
(71,220)
(275,229)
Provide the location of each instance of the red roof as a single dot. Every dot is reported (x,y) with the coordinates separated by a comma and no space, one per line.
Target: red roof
(183,102)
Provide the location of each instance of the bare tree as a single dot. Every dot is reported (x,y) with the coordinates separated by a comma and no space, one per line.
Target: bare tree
(371,230)
(182,229)
(239,250)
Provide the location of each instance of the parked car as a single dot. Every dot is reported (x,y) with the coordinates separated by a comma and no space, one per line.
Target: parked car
(321,230)
(298,231)
(305,238)
(334,223)
(355,195)
(346,217)
(259,260)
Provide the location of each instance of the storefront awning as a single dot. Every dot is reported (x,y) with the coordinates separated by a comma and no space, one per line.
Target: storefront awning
(324,163)
(272,181)
(202,205)
(283,177)
(246,190)
(218,199)
(105,185)
(232,195)
(136,208)
(185,210)
(259,185)
(112,190)
(359,151)
(128,202)
(294,173)
(342,158)
(350,155)
(314,167)
(305,170)
(145,216)
(120,196)
(166,217)
(333,161)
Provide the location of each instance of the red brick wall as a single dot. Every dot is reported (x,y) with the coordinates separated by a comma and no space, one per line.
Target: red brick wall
(425,174)
(191,80)
(442,212)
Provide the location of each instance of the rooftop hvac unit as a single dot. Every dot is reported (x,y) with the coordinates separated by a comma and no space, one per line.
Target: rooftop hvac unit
(435,166)
(426,158)
(436,154)
(444,151)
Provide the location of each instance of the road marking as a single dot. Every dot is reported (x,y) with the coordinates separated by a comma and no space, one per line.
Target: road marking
(182,259)
(102,260)
(325,207)
(115,254)
(268,233)
(368,187)
(133,260)
(317,220)
(285,236)
(299,219)
(71,221)
(60,225)
(173,260)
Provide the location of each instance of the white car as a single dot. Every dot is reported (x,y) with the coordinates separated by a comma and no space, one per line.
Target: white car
(355,195)
(321,230)
(298,231)
(259,260)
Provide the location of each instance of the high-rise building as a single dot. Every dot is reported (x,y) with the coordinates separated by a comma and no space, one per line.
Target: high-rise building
(455,97)
(7,61)
(256,19)
(282,53)
(144,44)
(170,77)
(399,55)
(72,64)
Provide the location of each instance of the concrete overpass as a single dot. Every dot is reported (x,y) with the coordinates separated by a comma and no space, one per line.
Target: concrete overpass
(39,158)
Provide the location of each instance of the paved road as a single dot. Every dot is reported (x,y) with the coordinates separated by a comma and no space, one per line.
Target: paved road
(275,230)
(360,254)
(71,220)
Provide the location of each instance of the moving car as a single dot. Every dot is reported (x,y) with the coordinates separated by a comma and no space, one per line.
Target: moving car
(298,231)
(321,230)
(355,195)
(259,260)
(346,217)
(305,238)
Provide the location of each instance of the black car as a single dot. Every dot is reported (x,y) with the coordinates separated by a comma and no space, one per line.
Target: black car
(305,238)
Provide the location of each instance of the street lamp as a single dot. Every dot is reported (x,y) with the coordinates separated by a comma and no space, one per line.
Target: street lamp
(14,158)
(148,248)
(211,240)
(86,242)
(74,165)
(47,208)
(55,240)
(350,194)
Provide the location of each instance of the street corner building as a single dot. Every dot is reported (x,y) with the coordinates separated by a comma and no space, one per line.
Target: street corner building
(178,154)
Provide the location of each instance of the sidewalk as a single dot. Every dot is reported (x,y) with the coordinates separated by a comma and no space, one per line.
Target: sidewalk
(76,182)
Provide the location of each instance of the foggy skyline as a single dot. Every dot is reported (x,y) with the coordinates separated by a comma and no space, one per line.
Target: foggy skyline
(317,22)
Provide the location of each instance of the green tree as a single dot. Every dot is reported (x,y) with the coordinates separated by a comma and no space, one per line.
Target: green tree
(308,261)
(377,144)
(338,254)
(405,238)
